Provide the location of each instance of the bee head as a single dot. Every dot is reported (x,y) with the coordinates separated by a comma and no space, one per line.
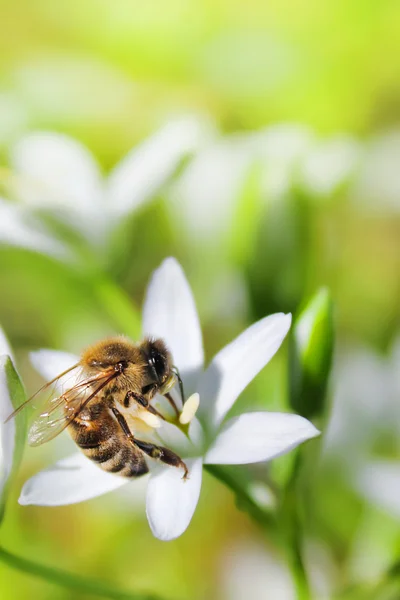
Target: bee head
(159,362)
(110,353)
(146,366)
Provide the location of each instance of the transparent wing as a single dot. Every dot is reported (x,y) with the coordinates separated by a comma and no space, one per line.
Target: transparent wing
(64,381)
(61,410)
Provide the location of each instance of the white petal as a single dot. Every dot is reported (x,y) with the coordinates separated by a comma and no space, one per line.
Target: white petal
(171,501)
(196,434)
(170,436)
(56,169)
(71,480)
(259,436)
(145,169)
(379,483)
(17,228)
(51,363)
(170,313)
(232,369)
(5,347)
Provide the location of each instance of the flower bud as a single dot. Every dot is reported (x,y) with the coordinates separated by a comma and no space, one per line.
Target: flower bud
(310,355)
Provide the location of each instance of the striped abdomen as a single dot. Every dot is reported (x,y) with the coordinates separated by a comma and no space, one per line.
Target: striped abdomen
(100,438)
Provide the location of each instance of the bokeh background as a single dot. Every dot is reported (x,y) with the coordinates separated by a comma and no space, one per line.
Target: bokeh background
(286,179)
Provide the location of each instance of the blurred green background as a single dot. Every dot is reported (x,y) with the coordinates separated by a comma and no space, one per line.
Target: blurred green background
(293,185)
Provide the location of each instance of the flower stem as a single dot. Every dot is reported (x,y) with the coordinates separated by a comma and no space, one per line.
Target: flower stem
(68,580)
(286,530)
(297,568)
(240,487)
(292,532)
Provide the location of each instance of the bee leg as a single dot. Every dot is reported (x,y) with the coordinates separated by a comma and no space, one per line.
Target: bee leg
(142,400)
(164,454)
(158,452)
(123,424)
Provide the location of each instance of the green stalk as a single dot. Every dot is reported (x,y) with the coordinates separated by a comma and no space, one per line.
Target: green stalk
(292,536)
(246,501)
(69,580)
(296,564)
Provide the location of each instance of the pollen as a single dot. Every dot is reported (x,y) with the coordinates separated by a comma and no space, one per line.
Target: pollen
(189,409)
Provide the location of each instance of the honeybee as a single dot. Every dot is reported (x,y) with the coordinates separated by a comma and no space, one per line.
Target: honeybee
(116,377)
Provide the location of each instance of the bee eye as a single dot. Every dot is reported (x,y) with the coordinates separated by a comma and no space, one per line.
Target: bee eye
(147,388)
(158,363)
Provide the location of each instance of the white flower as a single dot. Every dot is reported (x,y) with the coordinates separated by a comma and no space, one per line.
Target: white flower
(329,164)
(247,571)
(56,172)
(170,313)
(208,192)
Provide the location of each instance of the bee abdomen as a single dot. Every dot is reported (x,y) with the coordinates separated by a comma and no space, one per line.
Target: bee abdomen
(99,441)
(111,456)
(122,460)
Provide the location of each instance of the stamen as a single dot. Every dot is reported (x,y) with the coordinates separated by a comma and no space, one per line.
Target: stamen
(189,409)
(150,419)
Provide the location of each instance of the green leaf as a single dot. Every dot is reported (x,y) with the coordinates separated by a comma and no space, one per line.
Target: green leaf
(310,355)
(12,433)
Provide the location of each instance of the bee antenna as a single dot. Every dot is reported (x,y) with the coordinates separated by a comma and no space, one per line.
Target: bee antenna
(176,371)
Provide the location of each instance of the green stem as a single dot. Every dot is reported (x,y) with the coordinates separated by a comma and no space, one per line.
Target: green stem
(286,532)
(297,568)
(246,501)
(68,580)
(293,534)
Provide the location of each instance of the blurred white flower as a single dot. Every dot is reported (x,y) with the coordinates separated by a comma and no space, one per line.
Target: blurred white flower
(13,116)
(367,394)
(251,571)
(329,164)
(256,572)
(19,228)
(377,186)
(282,147)
(170,313)
(56,172)
(208,192)
(379,482)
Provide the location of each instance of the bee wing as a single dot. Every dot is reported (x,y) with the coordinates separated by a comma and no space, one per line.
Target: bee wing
(58,382)
(60,411)
(54,419)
